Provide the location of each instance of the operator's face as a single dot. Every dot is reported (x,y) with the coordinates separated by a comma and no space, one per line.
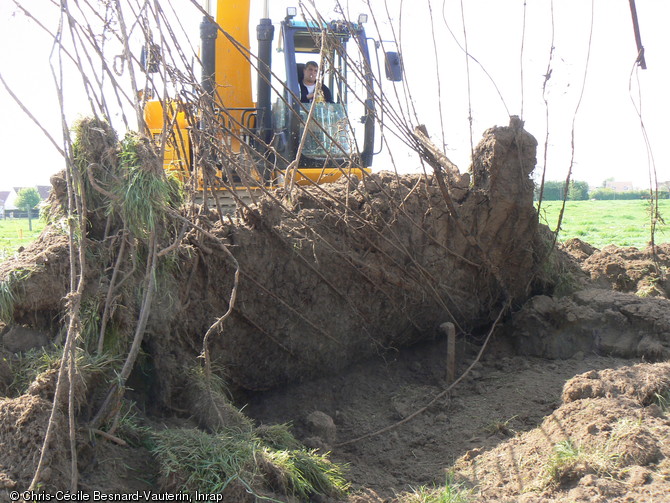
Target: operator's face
(310,75)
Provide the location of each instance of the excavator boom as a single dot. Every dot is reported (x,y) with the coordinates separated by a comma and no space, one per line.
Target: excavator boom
(232,67)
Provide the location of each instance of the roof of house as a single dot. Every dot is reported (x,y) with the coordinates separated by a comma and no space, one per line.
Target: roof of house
(8,198)
(43,190)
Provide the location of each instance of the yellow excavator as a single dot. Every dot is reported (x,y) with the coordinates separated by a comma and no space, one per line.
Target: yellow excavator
(259,143)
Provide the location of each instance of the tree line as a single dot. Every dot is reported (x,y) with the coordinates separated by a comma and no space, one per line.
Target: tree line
(579,191)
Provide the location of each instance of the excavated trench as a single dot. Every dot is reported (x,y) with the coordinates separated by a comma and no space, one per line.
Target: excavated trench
(327,277)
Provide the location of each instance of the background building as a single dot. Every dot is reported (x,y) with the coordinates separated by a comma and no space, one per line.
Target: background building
(8,207)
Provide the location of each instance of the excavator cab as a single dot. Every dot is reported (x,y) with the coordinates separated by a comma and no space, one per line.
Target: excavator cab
(322,132)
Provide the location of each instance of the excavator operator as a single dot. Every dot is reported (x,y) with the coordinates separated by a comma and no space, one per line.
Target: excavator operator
(308,85)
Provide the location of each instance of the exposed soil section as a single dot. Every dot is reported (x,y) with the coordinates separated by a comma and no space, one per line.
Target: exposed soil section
(334,329)
(502,429)
(325,278)
(603,321)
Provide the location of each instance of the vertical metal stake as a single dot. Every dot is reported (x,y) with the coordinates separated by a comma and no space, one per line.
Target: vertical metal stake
(450,330)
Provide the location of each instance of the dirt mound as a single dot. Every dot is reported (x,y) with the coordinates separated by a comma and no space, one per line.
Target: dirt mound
(325,278)
(599,446)
(23,425)
(36,280)
(642,383)
(594,320)
(625,269)
(579,249)
(322,278)
(374,265)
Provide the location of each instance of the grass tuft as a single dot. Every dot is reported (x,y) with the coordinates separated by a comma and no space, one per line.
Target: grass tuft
(278,436)
(500,427)
(8,293)
(94,152)
(191,460)
(662,399)
(90,320)
(146,192)
(129,426)
(302,473)
(25,367)
(565,456)
(451,492)
(209,402)
(569,461)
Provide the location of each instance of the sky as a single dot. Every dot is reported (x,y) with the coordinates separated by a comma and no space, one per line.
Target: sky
(595,97)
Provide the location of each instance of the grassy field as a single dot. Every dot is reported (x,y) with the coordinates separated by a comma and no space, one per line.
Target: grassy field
(14,233)
(599,223)
(623,223)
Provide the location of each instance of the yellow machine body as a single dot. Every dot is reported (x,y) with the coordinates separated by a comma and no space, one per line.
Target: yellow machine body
(176,146)
(233,94)
(233,70)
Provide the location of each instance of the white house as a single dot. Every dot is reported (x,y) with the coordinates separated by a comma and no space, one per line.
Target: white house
(619,186)
(4,194)
(8,204)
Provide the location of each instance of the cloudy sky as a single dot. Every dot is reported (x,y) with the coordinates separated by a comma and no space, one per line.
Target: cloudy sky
(511,41)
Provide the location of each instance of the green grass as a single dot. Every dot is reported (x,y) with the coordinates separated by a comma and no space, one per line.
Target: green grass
(600,223)
(192,460)
(663,401)
(14,233)
(25,367)
(565,456)
(451,492)
(9,292)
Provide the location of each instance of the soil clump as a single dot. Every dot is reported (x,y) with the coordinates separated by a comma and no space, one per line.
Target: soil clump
(321,278)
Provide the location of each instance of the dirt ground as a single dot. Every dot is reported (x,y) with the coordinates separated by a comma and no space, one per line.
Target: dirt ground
(504,395)
(497,430)
(484,417)
(505,417)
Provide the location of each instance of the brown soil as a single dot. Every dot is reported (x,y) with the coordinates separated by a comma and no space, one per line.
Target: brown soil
(335,330)
(497,430)
(625,269)
(325,278)
(505,395)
